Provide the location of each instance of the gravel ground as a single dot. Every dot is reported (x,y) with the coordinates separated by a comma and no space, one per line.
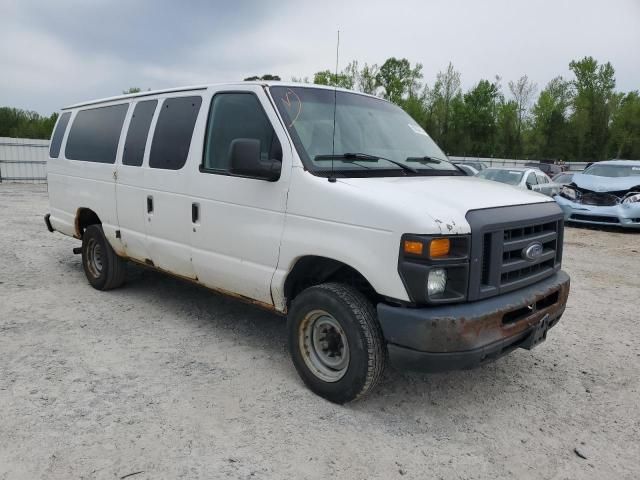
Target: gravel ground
(163,379)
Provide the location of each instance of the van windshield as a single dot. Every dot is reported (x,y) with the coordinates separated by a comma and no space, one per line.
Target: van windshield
(372,137)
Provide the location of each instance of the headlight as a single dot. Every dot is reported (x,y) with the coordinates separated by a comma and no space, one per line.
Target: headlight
(632,198)
(434,268)
(568,192)
(436,281)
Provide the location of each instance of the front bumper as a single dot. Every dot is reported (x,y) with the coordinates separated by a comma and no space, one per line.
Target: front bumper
(623,215)
(461,336)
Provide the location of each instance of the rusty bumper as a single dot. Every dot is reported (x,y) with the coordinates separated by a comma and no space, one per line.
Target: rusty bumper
(465,335)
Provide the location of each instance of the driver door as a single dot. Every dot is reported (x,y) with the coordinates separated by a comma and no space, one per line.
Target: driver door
(238,221)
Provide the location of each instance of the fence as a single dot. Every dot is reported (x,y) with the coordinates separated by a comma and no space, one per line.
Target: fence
(509,162)
(23,160)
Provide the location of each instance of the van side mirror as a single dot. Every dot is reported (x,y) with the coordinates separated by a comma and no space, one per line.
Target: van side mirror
(245,160)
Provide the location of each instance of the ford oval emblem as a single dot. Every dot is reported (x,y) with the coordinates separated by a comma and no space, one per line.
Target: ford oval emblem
(532,252)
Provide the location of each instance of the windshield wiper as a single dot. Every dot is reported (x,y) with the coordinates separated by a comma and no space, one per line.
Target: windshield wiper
(364,157)
(425,159)
(435,160)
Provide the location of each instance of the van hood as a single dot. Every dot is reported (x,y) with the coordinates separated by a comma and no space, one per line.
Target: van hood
(445,199)
(596,183)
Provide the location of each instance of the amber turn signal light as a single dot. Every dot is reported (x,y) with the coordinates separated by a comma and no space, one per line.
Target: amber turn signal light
(413,247)
(439,247)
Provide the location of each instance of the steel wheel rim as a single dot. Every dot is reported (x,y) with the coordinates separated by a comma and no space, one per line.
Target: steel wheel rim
(324,346)
(94,258)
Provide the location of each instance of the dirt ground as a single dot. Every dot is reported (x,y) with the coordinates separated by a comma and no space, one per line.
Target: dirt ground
(163,379)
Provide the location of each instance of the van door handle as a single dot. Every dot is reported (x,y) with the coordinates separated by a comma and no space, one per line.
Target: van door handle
(149,204)
(195,212)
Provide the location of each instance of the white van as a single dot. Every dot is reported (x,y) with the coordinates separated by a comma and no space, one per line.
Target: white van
(329,206)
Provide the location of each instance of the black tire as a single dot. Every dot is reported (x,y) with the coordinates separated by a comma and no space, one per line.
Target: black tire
(358,324)
(104,269)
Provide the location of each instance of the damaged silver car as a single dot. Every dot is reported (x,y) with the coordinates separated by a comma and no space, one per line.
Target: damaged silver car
(606,193)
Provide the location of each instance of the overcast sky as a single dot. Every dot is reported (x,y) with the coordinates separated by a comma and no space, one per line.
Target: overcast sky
(54,53)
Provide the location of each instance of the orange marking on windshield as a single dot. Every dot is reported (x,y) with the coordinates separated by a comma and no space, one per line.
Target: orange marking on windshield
(287,100)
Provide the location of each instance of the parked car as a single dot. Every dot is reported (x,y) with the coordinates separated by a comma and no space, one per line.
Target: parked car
(331,207)
(524,178)
(606,193)
(548,168)
(562,178)
(468,169)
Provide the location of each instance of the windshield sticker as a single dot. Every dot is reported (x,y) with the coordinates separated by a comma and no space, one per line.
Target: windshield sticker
(293,105)
(417,129)
(636,169)
(512,172)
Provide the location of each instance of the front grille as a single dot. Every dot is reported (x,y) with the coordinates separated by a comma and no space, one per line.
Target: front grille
(498,262)
(599,199)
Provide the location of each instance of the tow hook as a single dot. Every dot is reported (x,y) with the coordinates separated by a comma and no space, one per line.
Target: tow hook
(77,250)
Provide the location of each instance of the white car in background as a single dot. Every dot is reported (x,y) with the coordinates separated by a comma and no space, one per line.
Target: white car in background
(525,178)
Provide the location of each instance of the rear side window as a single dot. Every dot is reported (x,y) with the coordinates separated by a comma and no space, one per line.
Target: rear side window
(531,179)
(232,116)
(95,133)
(138,131)
(58,135)
(174,129)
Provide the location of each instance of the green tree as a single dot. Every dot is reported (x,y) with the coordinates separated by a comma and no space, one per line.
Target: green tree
(18,123)
(131,90)
(399,79)
(508,140)
(625,128)
(266,77)
(593,103)
(550,129)
(439,105)
(480,109)
(326,77)
(523,91)
(368,79)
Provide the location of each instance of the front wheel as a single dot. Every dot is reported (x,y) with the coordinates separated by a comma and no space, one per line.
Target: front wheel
(336,342)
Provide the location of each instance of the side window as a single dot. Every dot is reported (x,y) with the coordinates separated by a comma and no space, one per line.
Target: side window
(58,135)
(138,131)
(95,133)
(232,116)
(174,129)
(531,179)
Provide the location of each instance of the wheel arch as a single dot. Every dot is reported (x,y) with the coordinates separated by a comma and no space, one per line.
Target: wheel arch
(310,270)
(85,217)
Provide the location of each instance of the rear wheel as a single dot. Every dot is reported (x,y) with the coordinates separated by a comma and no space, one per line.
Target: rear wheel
(104,269)
(336,342)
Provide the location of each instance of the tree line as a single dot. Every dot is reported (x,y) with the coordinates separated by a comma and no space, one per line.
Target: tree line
(18,123)
(580,118)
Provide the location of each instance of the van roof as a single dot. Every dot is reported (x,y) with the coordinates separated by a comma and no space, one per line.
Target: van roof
(206,86)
